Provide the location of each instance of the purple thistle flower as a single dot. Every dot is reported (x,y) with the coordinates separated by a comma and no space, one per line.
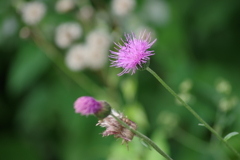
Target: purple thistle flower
(133,54)
(87,105)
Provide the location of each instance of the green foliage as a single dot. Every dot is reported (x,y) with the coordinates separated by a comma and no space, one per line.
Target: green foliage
(27,67)
(230,135)
(197,40)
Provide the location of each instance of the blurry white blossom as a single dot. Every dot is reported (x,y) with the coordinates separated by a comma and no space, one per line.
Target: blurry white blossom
(168,119)
(24,32)
(157,11)
(185,94)
(76,57)
(98,43)
(223,86)
(186,85)
(86,12)
(186,97)
(33,12)
(63,6)
(98,39)
(66,33)
(96,58)
(123,7)
(227,104)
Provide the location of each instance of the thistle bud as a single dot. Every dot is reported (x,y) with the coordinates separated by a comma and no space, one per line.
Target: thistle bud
(104,111)
(87,105)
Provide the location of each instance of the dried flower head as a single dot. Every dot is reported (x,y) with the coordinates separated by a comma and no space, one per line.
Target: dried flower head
(133,54)
(113,127)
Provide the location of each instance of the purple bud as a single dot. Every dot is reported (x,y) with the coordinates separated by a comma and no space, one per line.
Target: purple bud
(88,105)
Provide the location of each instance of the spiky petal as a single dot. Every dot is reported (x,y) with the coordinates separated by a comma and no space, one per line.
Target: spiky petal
(133,53)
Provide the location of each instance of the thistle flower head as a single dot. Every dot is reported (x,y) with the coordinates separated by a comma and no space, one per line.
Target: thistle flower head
(87,105)
(133,54)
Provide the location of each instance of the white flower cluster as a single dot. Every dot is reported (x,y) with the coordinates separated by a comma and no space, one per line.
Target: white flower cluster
(158,12)
(33,12)
(123,7)
(67,33)
(63,6)
(75,58)
(223,86)
(227,101)
(91,55)
(98,43)
(86,12)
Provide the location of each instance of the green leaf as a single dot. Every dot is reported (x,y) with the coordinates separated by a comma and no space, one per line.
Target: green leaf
(129,88)
(230,135)
(145,144)
(160,138)
(28,65)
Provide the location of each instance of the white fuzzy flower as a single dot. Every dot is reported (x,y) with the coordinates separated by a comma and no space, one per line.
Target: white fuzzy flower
(98,43)
(25,32)
(76,57)
(66,33)
(98,39)
(96,58)
(123,7)
(158,11)
(86,12)
(223,86)
(33,12)
(63,6)
(186,86)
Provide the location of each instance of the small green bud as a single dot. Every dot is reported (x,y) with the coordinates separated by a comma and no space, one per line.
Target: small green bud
(104,111)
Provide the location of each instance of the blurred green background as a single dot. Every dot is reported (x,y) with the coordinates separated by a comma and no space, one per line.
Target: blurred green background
(197,54)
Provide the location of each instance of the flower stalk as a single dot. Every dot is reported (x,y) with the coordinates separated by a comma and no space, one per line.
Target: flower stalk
(192,111)
(145,138)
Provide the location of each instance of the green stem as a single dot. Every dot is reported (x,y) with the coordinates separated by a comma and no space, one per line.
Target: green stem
(192,111)
(146,139)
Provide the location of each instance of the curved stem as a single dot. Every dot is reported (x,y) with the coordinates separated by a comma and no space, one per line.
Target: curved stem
(192,111)
(145,138)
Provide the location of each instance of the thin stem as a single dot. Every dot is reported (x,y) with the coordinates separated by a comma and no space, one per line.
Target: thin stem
(145,138)
(192,111)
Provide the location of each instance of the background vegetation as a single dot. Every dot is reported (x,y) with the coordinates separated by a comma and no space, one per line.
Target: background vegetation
(197,54)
